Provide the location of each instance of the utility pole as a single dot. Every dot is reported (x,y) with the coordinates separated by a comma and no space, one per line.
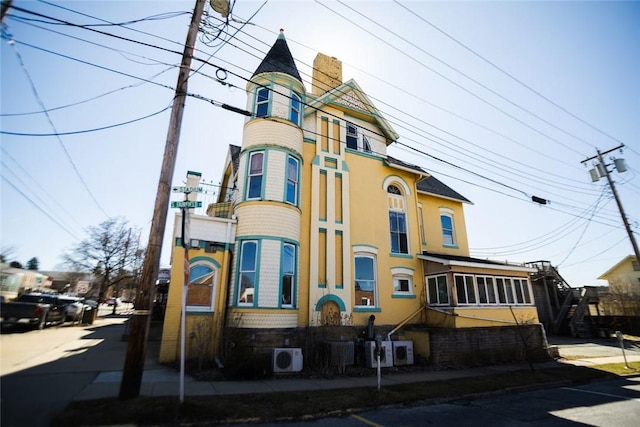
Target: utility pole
(6,5)
(602,169)
(137,345)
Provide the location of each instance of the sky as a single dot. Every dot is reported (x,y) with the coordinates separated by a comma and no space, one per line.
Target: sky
(500,100)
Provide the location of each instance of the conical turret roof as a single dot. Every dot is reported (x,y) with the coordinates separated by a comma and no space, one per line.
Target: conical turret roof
(279,60)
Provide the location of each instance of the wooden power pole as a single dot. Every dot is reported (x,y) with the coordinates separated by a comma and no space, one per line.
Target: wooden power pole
(139,328)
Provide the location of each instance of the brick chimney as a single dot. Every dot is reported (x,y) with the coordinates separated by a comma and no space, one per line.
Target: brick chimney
(327,74)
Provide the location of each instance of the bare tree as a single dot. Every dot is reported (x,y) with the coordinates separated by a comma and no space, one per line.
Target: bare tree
(111,252)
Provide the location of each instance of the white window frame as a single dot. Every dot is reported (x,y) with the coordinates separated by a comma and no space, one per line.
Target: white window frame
(436,278)
(295,111)
(372,257)
(294,181)
(291,274)
(214,272)
(261,103)
(467,292)
(400,210)
(251,176)
(241,272)
(448,213)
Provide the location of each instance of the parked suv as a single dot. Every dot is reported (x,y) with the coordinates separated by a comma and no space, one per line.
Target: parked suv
(72,307)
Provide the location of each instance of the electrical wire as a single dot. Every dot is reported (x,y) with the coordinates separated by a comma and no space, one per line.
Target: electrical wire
(502,70)
(64,148)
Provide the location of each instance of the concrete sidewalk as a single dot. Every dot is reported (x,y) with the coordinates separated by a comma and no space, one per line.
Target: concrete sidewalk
(162,381)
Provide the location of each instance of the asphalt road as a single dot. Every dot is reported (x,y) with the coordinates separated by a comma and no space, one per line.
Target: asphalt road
(605,404)
(42,371)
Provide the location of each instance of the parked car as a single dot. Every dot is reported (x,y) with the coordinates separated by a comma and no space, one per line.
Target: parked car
(35,309)
(73,308)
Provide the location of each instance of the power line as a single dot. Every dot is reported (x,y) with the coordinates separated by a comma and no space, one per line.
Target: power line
(64,149)
(506,72)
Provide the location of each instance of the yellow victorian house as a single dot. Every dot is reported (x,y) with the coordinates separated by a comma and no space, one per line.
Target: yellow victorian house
(321,240)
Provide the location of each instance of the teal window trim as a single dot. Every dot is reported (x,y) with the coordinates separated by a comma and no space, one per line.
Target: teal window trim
(403,296)
(237,302)
(366,309)
(450,246)
(267,102)
(199,313)
(294,284)
(249,154)
(333,298)
(339,286)
(406,256)
(322,285)
(296,183)
(295,98)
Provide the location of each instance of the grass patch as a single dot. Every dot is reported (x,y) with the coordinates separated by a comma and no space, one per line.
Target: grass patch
(161,411)
(620,368)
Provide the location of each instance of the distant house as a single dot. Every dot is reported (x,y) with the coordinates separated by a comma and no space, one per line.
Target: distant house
(319,235)
(622,296)
(625,271)
(14,281)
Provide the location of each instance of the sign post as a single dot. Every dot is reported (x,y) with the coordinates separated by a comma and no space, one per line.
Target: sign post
(186,239)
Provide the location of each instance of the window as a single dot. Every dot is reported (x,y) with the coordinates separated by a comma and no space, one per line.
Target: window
(288,274)
(365,282)
(200,290)
(465,289)
(397,221)
(448,237)
(256,165)
(366,146)
(262,102)
(402,285)
(292,181)
(247,273)
(295,109)
(352,136)
(523,296)
(486,291)
(438,290)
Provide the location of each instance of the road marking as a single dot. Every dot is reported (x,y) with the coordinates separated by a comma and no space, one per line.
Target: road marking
(366,421)
(600,393)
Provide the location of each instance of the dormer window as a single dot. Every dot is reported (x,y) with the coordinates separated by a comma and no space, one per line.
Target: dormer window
(356,139)
(352,136)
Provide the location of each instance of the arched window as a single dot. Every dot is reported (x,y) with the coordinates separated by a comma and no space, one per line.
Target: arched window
(365,280)
(448,231)
(200,292)
(397,220)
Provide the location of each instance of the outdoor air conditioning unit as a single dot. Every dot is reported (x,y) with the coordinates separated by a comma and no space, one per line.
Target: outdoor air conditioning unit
(287,360)
(402,353)
(386,355)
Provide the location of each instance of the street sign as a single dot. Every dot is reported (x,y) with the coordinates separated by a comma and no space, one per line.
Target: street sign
(187,189)
(197,204)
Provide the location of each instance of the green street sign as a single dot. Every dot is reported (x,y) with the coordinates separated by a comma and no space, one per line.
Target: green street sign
(197,204)
(187,189)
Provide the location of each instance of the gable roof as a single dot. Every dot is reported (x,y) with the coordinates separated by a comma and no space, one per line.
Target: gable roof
(628,258)
(349,96)
(432,185)
(279,60)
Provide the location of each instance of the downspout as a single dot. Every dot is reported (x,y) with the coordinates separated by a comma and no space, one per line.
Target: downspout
(404,322)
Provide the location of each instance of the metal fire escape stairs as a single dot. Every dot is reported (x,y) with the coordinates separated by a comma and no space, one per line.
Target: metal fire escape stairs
(567,306)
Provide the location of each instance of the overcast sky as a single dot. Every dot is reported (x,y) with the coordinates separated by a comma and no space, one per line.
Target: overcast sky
(502,101)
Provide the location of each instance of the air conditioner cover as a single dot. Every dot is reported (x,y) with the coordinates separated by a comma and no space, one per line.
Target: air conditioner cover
(386,355)
(402,353)
(286,360)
